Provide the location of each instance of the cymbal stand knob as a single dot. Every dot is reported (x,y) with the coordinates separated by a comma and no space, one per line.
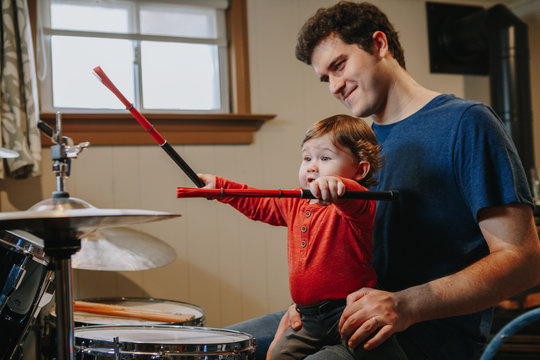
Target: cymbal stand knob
(62,152)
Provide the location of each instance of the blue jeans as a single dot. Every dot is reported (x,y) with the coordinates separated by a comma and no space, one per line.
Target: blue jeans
(264,328)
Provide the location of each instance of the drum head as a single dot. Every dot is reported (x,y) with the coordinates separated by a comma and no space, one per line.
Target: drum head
(173,340)
(160,305)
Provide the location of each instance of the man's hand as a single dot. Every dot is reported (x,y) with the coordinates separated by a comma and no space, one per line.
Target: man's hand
(290,319)
(370,311)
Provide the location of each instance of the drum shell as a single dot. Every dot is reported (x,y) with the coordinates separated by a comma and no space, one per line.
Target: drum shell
(22,255)
(188,348)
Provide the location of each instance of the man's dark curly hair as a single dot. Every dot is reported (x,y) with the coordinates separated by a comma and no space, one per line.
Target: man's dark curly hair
(354,23)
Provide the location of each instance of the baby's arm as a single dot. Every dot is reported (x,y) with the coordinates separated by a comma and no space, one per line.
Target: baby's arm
(262,209)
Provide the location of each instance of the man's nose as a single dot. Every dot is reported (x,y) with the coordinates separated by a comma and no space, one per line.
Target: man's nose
(335,84)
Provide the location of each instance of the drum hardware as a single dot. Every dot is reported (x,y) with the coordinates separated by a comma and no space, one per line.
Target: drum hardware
(116,341)
(162,342)
(27,278)
(13,281)
(61,222)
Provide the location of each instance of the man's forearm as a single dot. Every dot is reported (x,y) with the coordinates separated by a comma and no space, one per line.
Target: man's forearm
(512,266)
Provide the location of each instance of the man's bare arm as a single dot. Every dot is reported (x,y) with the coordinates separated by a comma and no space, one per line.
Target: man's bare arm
(512,266)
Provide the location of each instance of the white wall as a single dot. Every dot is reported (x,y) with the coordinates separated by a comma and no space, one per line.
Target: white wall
(234,268)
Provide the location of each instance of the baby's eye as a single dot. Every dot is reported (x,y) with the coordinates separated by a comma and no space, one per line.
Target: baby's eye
(307,158)
(325,158)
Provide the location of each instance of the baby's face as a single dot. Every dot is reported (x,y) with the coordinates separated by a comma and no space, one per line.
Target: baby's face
(321,157)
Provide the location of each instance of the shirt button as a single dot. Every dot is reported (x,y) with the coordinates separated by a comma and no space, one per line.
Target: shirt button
(303,244)
(304,228)
(308,213)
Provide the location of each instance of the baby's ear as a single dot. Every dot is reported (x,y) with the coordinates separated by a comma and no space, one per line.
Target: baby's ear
(362,170)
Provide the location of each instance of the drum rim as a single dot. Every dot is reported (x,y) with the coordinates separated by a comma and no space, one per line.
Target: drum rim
(89,346)
(23,245)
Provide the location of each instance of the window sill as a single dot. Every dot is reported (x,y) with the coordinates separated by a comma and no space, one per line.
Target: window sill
(123,129)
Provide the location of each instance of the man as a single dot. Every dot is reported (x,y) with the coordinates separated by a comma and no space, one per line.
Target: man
(462,236)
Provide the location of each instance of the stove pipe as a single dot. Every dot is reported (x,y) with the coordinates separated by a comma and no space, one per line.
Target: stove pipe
(509,78)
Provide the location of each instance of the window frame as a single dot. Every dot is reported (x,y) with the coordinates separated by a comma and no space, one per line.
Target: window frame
(136,38)
(236,127)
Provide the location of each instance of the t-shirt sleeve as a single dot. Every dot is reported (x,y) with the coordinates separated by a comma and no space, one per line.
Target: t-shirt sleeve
(487,166)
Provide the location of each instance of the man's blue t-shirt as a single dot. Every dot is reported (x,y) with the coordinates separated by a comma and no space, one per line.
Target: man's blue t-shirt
(449,160)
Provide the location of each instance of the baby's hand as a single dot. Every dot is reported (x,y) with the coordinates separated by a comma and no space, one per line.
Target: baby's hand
(209,180)
(327,189)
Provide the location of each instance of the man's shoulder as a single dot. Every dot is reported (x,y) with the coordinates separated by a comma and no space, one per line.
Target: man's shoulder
(454,109)
(450,101)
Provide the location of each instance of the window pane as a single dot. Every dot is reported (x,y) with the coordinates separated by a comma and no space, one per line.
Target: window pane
(86,17)
(180,76)
(186,21)
(74,85)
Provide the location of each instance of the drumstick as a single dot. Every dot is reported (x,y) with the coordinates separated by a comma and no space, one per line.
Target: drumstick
(100,74)
(184,192)
(129,312)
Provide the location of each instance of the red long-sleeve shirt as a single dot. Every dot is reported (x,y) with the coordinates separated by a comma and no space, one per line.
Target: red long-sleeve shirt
(328,247)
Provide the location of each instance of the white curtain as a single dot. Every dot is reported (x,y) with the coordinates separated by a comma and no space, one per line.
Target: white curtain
(18,93)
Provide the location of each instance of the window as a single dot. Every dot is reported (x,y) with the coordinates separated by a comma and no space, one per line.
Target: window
(117,127)
(167,56)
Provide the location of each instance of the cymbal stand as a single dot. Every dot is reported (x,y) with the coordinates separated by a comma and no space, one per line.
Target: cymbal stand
(61,240)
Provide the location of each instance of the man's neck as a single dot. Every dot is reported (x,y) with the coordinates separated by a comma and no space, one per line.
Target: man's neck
(405,97)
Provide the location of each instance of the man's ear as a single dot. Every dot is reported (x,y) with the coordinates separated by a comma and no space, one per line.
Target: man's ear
(362,170)
(380,43)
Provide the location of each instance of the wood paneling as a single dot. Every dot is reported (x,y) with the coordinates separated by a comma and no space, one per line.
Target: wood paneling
(123,129)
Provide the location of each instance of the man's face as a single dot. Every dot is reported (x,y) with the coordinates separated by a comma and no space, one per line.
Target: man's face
(353,75)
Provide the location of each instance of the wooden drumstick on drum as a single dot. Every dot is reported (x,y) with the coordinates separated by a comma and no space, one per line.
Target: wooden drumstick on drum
(127,312)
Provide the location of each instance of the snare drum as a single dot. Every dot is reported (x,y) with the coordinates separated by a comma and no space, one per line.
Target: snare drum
(81,319)
(161,342)
(160,305)
(24,277)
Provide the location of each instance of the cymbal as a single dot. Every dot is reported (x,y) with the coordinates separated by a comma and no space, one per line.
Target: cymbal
(47,218)
(122,249)
(7,153)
